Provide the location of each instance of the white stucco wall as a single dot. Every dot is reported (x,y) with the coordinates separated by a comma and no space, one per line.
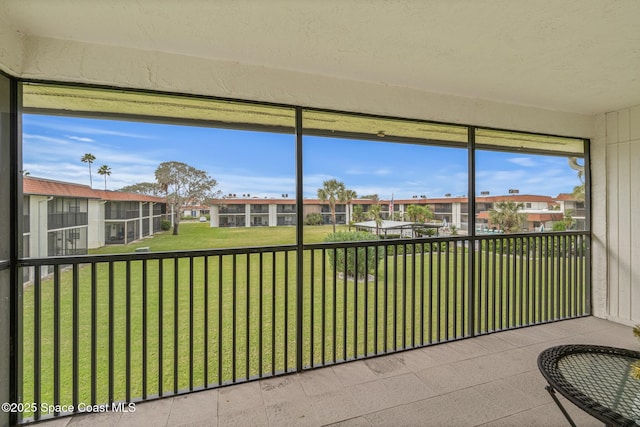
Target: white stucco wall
(95,231)
(11,47)
(214,216)
(38,216)
(616,153)
(63,60)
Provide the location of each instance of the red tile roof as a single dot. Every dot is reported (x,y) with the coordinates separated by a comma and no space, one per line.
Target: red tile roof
(542,217)
(48,187)
(567,197)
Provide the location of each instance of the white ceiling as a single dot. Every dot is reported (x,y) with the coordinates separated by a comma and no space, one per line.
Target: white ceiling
(580,56)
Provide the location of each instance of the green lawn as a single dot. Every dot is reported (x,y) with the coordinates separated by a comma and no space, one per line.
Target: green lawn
(341,318)
(197,235)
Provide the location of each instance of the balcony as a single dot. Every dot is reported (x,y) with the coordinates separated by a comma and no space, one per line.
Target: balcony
(122,214)
(149,325)
(602,109)
(489,380)
(232,209)
(66,219)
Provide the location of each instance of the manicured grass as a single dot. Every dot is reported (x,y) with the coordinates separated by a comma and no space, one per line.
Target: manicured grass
(250,302)
(198,235)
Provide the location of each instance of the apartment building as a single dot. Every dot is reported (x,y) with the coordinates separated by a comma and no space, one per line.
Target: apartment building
(541,211)
(62,218)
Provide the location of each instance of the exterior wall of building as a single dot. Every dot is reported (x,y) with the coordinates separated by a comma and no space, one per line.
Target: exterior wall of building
(456,216)
(309,209)
(51,232)
(454,212)
(273,215)
(38,244)
(95,234)
(214,218)
(616,223)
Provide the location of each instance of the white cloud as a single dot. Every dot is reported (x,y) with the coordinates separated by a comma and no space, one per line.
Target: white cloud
(81,139)
(86,130)
(257,186)
(27,137)
(542,181)
(377,172)
(55,158)
(527,162)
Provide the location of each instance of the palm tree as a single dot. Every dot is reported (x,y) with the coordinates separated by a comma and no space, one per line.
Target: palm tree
(105,171)
(331,192)
(358,213)
(375,212)
(506,215)
(347,196)
(578,190)
(417,213)
(88,158)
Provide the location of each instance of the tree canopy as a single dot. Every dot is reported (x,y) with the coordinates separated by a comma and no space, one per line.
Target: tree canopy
(347,197)
(182,184)
(105,171)
(375,213)
(507,216)
(147,188)
(358,213)
(88,158)
(332,191)
(417,213)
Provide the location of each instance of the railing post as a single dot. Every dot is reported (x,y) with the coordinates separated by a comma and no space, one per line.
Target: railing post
(587,205)
(471,232)
(15,247)
(299,241)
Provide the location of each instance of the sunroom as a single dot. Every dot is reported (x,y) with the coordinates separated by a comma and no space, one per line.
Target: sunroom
(421,100)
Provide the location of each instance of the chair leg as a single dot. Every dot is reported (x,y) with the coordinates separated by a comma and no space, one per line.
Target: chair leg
(552,392)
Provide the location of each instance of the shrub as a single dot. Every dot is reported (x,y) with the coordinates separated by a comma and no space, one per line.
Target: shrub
(390,236)
(165,225)
(363,255)
(555,245)
(409,248)
(314,219)
(423,231)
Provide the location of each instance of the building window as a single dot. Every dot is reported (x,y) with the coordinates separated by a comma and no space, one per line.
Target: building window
(67,242)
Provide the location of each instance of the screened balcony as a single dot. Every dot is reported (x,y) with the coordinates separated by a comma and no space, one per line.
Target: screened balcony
(465,85)
(147,326)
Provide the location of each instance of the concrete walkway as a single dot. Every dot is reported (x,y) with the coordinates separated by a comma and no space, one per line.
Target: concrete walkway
(491,380)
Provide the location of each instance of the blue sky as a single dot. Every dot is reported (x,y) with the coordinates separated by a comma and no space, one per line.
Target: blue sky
(263,164)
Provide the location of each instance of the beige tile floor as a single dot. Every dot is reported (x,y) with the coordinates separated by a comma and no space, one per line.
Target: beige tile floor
(491,380)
